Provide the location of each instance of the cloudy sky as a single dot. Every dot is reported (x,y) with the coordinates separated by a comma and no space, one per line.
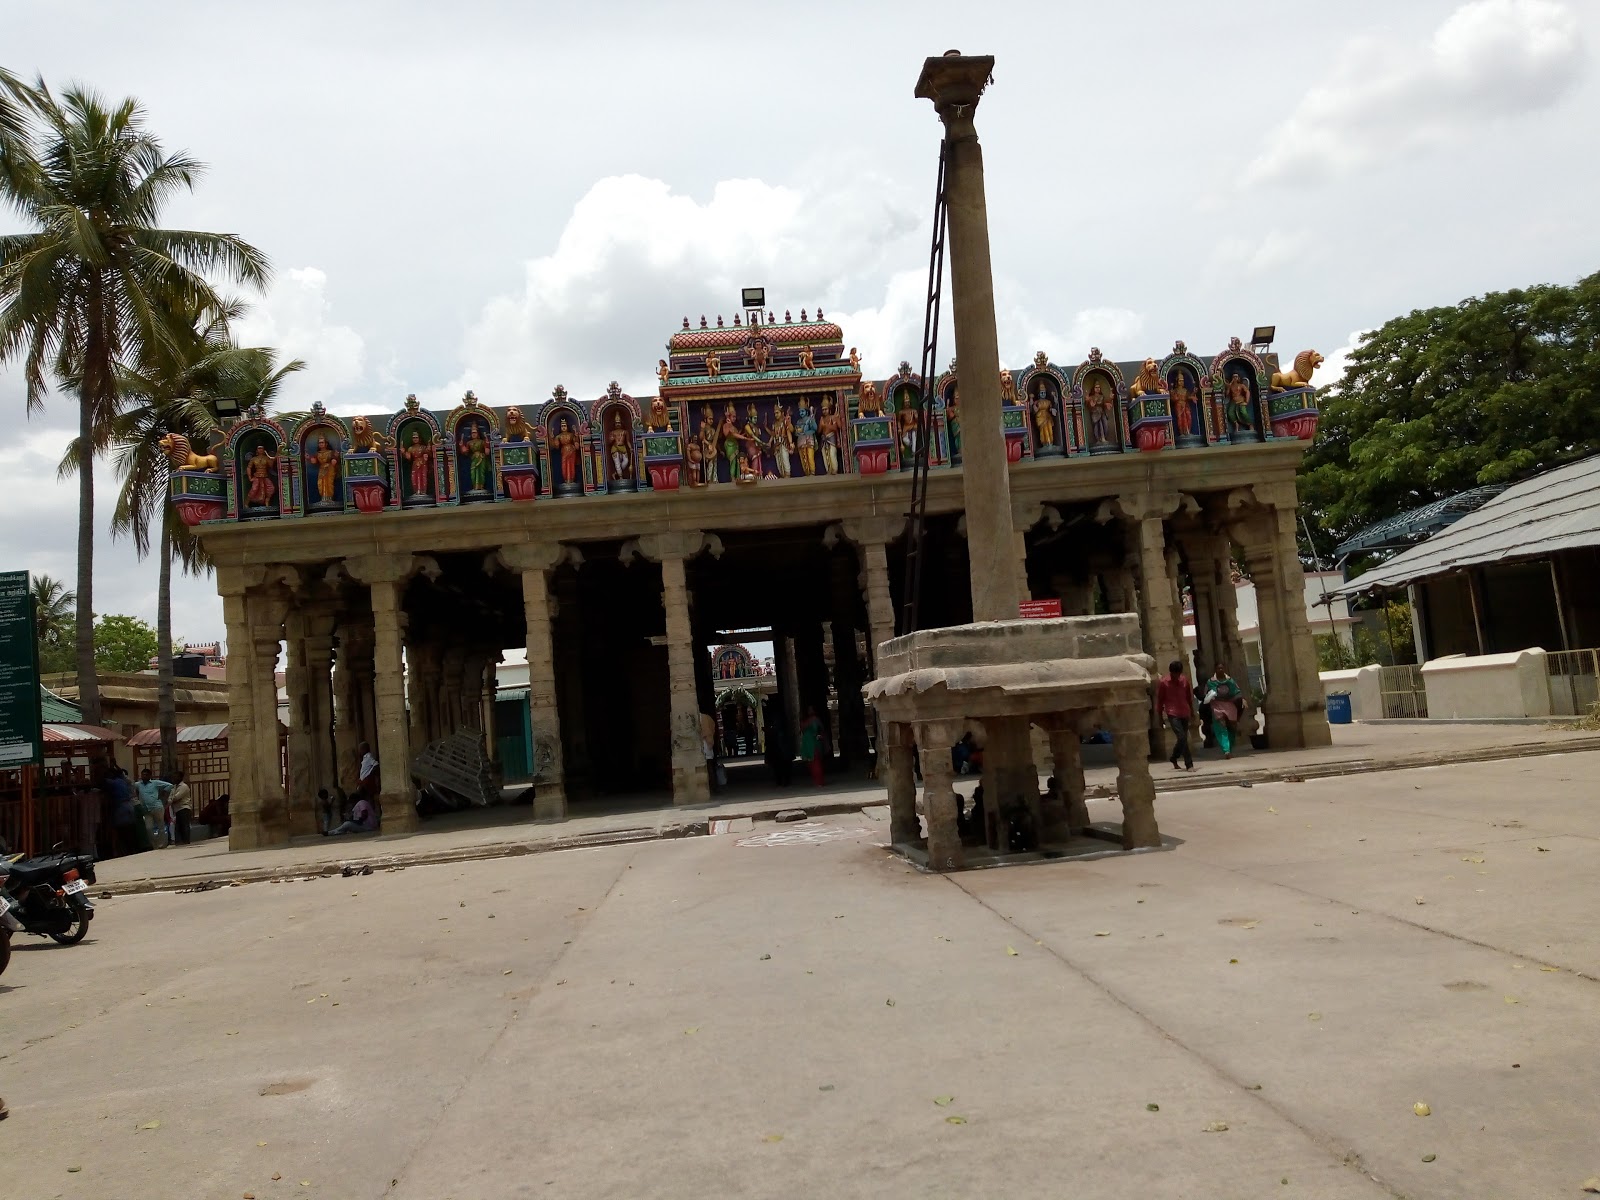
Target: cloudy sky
(509,196)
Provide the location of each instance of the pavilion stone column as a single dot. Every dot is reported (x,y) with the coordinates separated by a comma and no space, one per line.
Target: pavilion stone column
(491,687)
(690,784)
(450,668)
(899,777)
(535,561)
(319,681)
(419,690)
(1066,758)
(297,687)
(945,852)
(954,83)
(1295,712)
(1208,562)
(267,609)
(385,576)
(1134,786)
(353,654)
(244,794)
(1161,633)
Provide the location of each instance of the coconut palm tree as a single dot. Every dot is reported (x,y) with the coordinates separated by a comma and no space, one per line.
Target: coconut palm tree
(174,390)
(52,611)
(93,282)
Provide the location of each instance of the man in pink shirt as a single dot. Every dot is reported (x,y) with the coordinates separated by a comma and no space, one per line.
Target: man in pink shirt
(1175,705)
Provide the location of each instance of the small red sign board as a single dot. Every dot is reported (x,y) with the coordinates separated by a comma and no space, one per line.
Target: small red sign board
(1039,608)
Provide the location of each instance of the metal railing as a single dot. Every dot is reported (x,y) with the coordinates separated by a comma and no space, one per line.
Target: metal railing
(1574,681)
(1404,695)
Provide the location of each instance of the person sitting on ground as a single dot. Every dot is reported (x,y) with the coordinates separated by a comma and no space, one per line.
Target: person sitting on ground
(363,819)
(325,809)
(214,816)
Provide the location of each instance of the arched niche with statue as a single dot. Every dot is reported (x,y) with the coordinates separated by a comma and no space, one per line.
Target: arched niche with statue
(1238,380)
(1043,390)
(1100,393)
(322,441)
(258,475)
(616,421)
(471,433)
(419,449)
(1189,393)
(564,436)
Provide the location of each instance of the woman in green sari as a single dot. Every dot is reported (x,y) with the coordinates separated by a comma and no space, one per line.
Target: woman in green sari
(1225,699)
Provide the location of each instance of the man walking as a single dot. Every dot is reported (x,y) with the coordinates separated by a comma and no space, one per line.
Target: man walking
(1175,706)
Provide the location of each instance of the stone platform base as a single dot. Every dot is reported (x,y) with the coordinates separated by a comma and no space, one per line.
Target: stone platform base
(1100,840)
(1067,677)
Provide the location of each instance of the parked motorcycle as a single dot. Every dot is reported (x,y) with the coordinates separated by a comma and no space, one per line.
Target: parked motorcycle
(47,895)
(9,924)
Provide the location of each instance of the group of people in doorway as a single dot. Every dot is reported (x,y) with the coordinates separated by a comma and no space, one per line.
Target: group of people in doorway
(148,813)
(1219,701)
(815,749)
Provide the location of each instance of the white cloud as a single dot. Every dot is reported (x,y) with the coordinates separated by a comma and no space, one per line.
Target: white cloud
(591,310)
(1490,60)
(1334,362)
(1272,251)
(295,317)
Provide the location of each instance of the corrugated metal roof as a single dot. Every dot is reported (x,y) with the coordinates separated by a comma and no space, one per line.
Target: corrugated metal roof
(61,732)
(1559,510)
(53,708)
(189,733)
(505,694)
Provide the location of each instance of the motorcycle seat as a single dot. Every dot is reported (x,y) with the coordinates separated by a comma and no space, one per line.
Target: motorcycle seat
(31,874)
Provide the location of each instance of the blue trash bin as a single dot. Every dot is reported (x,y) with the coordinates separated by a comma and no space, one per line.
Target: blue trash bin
(1338,708)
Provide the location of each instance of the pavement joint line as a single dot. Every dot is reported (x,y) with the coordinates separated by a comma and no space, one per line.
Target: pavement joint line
(766,810)
(1345,1156)
(471,1074)
(1365,909)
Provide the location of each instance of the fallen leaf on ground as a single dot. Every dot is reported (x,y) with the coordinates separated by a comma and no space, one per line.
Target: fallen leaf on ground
(889,1003)
(1592,1184)
(1421,1109)
(1512,1000)
(1543,849)
(827,1087)
(1549,968)
(1313,1016)
(773,1137)
(1152,1108)
(1472,858)
(1011,951)
(505,972)
(276,1176)
(73,1170)
(944,1101)
(1102,933)
(151,1125)
(764,957)
(955,1120)
(260,1144)
(1216,1127)
(1429,1157)
(1252,1087)
(1420,900)
(693,1029)
(1272,810)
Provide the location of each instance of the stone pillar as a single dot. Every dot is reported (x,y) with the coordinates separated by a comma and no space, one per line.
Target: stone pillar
(244,793)
(789,684)
(945,852)
(874,582)
(1066,757)
(1295,712)
(1134,786)
(319,675)
(1146,517)
(534,562)
(1011,781)
(690,783)
(353,650)
(385,576)
(302,776)
(900,780)
(450,668)
(954,84)
(266,634)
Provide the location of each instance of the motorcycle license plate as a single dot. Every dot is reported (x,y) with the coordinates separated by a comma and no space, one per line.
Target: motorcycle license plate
(76,886)
(6,903)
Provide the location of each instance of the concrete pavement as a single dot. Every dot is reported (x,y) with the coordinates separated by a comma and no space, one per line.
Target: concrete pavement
(729,1016)
(504,832)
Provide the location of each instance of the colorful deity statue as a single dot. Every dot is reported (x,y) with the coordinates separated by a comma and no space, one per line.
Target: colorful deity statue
(1044,416)
(910,431)
(871,404)
(419,454)
(1185,404)
(781,440)
(565,454)
(952,423)
(325,461)
(805,437)
(1102,414)
(619,450)
(476,448)
(259,470)
(831,432)
(728,435)
(662,370)
(695,461)
(1237,393)
(855,360)
(750,435)
(707,437)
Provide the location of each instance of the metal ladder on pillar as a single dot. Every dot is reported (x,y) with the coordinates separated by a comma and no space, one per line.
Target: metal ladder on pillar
(911,594)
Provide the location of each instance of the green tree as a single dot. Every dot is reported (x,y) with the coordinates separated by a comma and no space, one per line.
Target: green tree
(1440,400)
(94,279)
(174,389)
(124,644)
(52,611)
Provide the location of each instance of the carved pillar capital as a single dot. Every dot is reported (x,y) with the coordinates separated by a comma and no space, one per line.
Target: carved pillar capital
(677,544)
(874,530)
(534,556)
(372,569)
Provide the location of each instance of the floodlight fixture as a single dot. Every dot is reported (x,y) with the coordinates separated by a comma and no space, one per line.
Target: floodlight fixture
(227,408)
(754,297)
(1263,335)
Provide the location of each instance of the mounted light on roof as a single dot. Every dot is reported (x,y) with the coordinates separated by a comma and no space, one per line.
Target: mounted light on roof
(754,298)
(227,408)
(1262,337)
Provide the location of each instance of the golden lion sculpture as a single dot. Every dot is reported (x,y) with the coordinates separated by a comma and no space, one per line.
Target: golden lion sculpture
(1008,388)
(517,428)
(364,439)
(176,447)
(1305,363)
(1148,382)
